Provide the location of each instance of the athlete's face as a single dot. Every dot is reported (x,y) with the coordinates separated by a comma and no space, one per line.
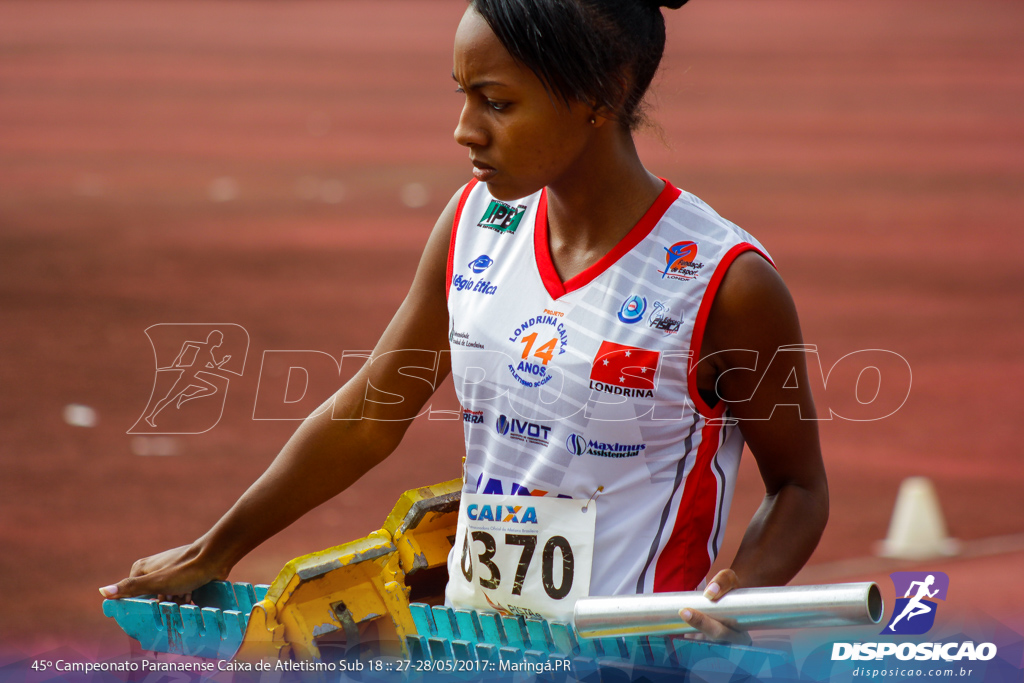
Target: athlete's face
(520,138)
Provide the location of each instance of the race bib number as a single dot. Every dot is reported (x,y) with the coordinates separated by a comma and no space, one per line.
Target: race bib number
(522,554)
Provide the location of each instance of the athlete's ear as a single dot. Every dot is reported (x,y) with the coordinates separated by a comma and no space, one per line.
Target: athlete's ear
(597,115)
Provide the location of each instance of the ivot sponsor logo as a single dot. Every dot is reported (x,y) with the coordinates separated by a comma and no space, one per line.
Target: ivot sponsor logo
(521,430)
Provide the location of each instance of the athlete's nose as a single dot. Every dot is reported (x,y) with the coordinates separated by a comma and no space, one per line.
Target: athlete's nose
(468,132)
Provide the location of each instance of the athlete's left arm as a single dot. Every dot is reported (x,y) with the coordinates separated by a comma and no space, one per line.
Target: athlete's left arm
(754,311)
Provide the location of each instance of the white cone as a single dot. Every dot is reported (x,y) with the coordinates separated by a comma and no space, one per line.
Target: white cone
(917,530)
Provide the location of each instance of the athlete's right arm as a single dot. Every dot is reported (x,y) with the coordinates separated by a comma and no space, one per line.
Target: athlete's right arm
(332,448)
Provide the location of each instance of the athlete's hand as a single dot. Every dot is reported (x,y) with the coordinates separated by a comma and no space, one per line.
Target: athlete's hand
(712,629)
(171,575)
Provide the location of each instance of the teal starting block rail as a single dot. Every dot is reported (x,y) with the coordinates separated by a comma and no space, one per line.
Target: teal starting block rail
(212,628)
(215,626)
(447,634)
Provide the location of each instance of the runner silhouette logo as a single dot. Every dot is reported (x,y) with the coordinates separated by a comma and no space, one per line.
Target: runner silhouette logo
(914,613)
(194,365)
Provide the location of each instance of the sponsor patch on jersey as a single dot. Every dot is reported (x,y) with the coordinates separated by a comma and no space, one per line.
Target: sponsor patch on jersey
(481,263)
(473,417)
(521,430)
(660,319)
(624,370)
(461,283)
(502,217)
(577,444)
(539,339)
(633,309)
(680,261)
(457,338)
(495,487)
(516,514)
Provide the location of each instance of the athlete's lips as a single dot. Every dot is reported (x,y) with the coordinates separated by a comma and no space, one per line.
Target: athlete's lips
(483,172)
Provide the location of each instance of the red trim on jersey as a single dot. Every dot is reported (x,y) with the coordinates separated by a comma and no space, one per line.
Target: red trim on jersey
(553,283)
(684,561)
(450,270)
(697,337)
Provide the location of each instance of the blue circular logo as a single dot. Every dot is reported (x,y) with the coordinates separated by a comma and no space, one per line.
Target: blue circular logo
(481,263)
(576,444)
(502,426)
(633,309)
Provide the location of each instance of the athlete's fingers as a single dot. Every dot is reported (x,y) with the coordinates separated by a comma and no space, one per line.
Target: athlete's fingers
(723,582)
(130,587)
(712,629)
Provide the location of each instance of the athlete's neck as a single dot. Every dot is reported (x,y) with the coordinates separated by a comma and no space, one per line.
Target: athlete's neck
(594,206)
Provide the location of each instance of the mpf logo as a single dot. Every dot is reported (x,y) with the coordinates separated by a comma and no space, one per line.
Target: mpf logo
(193,367)
(915,611)
(520,430)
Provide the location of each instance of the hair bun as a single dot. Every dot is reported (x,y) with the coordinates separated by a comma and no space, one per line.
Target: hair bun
(671,4)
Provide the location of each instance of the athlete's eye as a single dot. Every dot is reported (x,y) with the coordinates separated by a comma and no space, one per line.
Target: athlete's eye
(459,90)
(497,106)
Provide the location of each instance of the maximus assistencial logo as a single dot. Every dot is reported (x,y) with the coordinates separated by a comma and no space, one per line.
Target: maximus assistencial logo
(577,444)
(502,217)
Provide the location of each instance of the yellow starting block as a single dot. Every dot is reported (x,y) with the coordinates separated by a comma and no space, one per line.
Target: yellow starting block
(355,592)
(354,589)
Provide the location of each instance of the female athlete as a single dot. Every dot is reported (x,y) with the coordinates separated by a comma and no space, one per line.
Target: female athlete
(613,342)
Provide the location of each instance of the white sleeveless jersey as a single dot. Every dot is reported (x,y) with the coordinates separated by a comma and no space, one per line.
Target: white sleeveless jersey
(582,389)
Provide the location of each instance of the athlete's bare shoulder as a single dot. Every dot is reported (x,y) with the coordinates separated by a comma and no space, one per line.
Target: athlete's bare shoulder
(753,309)
(431,272)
